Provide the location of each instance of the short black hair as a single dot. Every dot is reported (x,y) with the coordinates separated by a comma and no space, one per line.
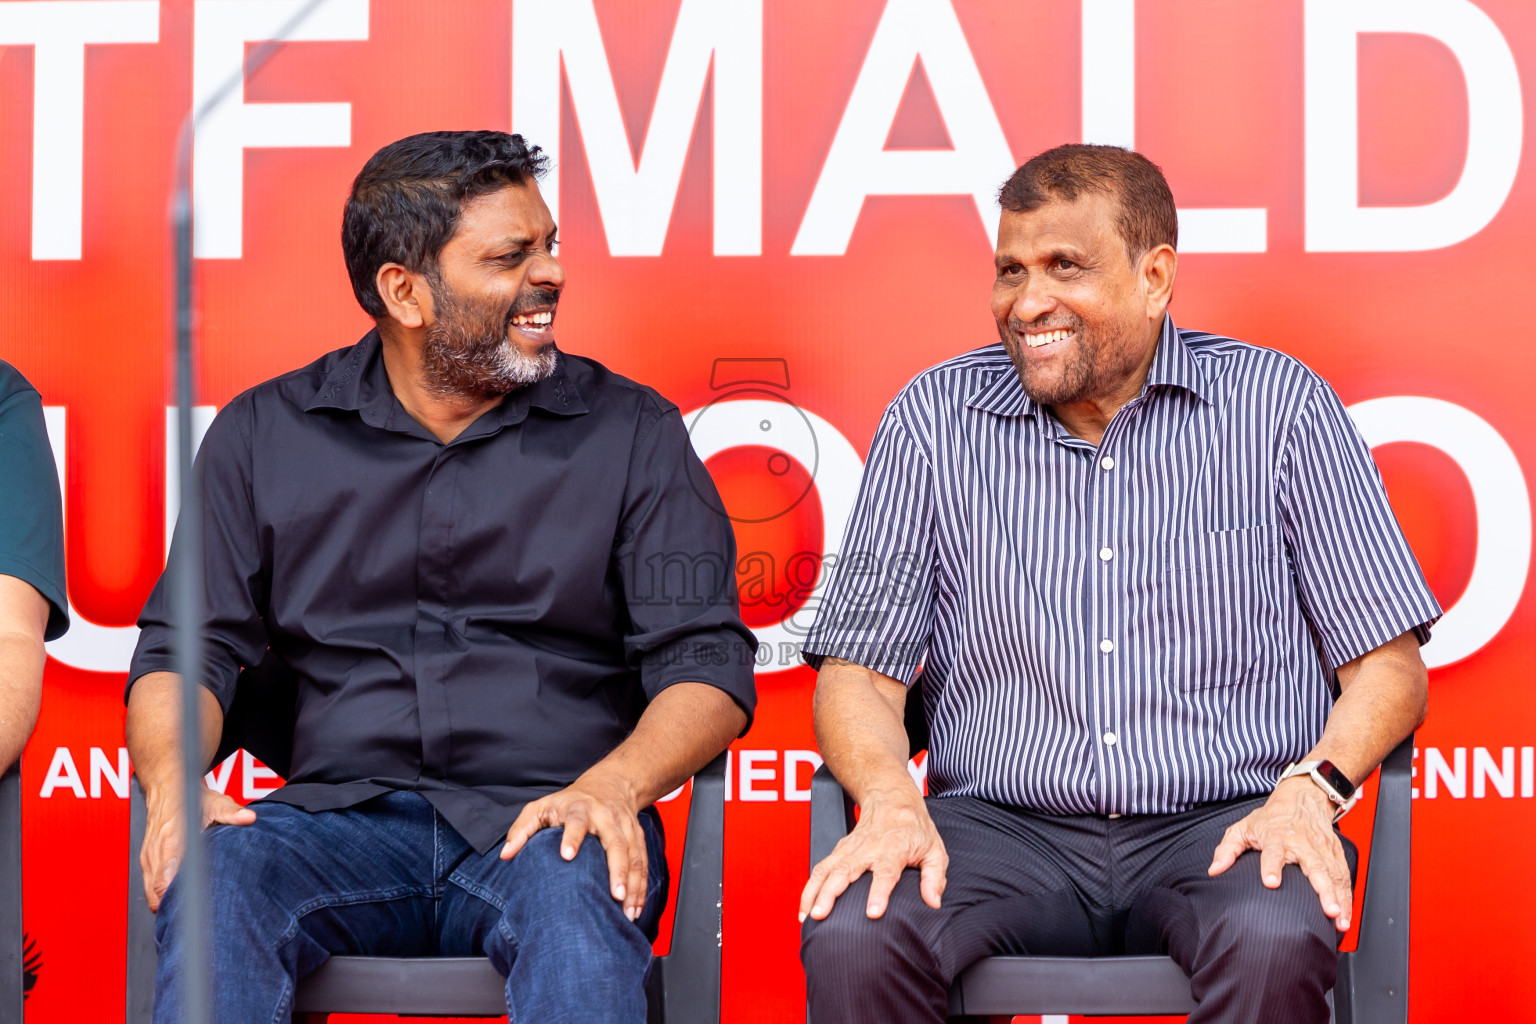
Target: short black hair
(1148,217)
(405,202)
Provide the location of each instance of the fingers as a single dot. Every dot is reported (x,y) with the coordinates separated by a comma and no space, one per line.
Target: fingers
(160,856)
(833,885)
(882,879)
(813,887)
(1343,887)
(154,885)
(627,864)
(530,821)
(829,878)
(639,870)
(620,834)
(227,812)
(221,809)
(575,831)
(1328,873)
(1323,886)
(934,877)
(1283,839)
(1232,845)
(159,871)
(1273,858)
(624,846)
(616,846)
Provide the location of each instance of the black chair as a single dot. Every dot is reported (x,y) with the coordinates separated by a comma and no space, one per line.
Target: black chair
(11,986)
(684,985)
(1372,987)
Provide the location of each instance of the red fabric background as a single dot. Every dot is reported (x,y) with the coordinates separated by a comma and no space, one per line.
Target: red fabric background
(1220,107)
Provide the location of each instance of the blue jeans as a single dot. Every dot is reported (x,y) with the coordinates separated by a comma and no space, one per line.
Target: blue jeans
(389,877)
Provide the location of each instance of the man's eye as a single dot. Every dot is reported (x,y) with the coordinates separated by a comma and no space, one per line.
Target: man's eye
(1065,265)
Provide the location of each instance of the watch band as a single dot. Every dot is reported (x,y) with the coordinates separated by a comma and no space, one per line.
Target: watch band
(1334,783)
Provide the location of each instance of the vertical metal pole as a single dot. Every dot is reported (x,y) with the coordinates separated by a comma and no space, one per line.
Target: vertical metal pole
(187,572)
(188,576)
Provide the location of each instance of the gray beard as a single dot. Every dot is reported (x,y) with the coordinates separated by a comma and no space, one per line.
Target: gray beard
(467,352)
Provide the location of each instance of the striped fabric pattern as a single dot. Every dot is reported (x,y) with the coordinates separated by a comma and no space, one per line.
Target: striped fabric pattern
(1135,628)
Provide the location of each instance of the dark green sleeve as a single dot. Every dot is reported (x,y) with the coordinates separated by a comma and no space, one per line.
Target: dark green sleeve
(31,514)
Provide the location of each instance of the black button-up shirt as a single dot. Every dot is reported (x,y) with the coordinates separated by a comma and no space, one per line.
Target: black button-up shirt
(480,621)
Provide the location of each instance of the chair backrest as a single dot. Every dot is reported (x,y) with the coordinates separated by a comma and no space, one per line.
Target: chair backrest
(11,990)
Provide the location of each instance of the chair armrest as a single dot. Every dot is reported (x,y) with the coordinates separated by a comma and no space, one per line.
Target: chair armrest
(831,813)
(141,922)
(690,977)
(1373,981)
(10,895)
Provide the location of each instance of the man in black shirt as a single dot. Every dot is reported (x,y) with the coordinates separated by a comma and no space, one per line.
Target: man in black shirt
(504,584)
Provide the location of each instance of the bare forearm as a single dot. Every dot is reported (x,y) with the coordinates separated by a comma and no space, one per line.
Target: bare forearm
(682,730)
(22,658)
(1385,697)
(860,731)
(154,733)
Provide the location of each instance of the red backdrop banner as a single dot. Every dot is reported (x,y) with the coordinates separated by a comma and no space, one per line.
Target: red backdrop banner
(806,184)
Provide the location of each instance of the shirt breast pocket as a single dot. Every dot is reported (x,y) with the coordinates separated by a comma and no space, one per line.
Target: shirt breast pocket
(1216,608)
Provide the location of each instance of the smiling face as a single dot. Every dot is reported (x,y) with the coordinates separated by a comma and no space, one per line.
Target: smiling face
(1079,320)
(494,295)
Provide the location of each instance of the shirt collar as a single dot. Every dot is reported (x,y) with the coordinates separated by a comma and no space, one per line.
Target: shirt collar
(359,383)
(1172,365)
(1003,395)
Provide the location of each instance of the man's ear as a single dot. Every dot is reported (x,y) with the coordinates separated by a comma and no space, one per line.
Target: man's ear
(406,294)
(1159,267)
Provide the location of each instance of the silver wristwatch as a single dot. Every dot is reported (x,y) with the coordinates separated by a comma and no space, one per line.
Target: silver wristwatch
(1335,784)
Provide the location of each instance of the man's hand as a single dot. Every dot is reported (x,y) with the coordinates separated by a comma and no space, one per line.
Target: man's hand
(1295,826)
(165,840)
(604,805)
(893,833)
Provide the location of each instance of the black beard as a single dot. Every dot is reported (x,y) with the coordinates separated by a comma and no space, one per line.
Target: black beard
(1077,378)
(467,352)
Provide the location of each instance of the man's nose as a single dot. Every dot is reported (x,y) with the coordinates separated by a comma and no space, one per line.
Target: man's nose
(545,271)
(1032,301)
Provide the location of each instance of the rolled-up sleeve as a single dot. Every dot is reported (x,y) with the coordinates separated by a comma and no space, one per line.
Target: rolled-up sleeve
(236,578)
(878,607)
(676,555)
(1358,579)
(31,513)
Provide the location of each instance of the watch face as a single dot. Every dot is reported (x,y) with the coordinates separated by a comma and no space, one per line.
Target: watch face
(1337,779)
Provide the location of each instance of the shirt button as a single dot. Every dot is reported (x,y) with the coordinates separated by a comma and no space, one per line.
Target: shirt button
(1110,739)
(1106,646)
(1105,554)
(1107,462)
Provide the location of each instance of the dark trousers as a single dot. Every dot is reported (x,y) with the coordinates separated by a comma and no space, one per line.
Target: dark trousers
(390,877)
(1022,883)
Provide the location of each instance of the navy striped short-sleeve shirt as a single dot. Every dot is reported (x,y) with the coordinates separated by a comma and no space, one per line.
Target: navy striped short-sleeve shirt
(1136,627)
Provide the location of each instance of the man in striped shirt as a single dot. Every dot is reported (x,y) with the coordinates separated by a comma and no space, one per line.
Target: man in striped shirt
(1145,571)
